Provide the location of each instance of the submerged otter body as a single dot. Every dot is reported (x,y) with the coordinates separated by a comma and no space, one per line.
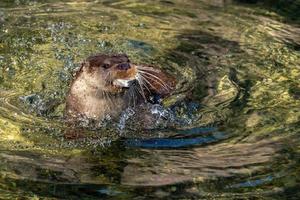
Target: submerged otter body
(107,84)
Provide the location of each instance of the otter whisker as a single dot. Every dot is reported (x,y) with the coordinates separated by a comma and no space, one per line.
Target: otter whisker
(107,78)
(147,69)
(130,97)
(106,96)
(97,94)
(142,79)
(133,96)
(110,99)
(157,78)
(152,86)
(127,96)
(140,89)
(165,86)
(134,92)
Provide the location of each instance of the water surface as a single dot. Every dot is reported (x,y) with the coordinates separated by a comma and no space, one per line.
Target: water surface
(234,114)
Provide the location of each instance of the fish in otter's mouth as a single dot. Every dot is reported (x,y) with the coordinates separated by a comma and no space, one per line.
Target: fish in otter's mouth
(98,86)
(125,83)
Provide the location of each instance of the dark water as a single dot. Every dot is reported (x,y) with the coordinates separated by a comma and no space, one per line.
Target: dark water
(235,112)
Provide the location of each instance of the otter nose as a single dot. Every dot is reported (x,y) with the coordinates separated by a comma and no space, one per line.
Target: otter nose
(123,66)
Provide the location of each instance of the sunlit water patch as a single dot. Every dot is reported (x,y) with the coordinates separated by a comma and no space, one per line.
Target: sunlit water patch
(230,130)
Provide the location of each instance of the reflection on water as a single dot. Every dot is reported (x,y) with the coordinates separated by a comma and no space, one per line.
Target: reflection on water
(230,130)
(186,138)
(163,167)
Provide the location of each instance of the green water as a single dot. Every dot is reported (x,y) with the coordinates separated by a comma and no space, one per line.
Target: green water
(237,97)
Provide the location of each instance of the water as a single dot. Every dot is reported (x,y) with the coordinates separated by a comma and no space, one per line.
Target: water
(234,114)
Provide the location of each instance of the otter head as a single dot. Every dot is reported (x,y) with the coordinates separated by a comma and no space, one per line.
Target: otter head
(109,73)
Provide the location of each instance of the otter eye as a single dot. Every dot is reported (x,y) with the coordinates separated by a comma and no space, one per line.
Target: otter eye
(105,66)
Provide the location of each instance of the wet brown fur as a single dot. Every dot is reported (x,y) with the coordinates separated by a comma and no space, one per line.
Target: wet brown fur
(93,95)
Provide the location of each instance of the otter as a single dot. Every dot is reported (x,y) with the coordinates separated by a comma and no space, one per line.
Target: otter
(106,84)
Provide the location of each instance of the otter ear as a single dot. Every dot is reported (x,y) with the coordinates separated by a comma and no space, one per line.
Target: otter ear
(85,66)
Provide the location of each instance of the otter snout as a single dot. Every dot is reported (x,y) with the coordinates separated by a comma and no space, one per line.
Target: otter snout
(125,74)
(123,66)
